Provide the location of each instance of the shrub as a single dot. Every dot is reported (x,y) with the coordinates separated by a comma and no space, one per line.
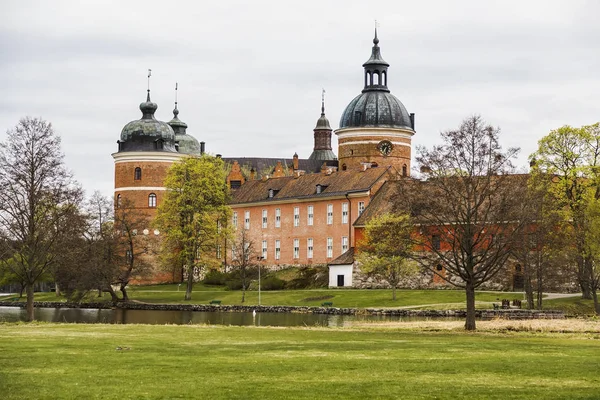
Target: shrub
(214,277)
(272,283)
(234,284)
(310,277)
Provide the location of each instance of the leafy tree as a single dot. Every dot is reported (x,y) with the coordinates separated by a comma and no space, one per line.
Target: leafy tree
(195,202)
(385,250)
(37,192)
(467,209)
(243,258)
(571,156)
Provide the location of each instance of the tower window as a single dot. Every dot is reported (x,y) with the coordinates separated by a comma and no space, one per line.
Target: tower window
(118,200)
(404,170)
(151,200)
(137,175)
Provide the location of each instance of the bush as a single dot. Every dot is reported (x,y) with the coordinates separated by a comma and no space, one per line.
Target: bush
(310,277)
(234,284)
(272,283)
(214,277)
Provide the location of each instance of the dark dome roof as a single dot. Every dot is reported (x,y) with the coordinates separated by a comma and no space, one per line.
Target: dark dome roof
(187,144)
(147,133)
(375,109)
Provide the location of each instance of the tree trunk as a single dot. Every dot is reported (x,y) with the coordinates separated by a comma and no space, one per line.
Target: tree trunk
(30,316)
(99,292)
(582,278)
(539,285)
(470,321)
(57,289)
(243,293)
(595,297)
(123,289)
(113,295)
(528,289)
(190,283)
(393,292)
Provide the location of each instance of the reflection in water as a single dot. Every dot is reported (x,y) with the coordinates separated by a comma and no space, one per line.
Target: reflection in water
(156,317)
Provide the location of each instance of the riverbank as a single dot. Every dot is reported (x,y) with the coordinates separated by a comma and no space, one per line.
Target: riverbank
(402,312)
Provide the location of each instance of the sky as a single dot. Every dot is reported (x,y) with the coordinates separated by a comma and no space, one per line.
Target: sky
(250,73)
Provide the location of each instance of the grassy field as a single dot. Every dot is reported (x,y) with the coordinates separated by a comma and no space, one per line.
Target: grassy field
(54,361)
(314,297)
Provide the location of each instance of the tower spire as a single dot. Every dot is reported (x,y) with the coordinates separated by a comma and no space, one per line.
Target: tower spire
(149,75)
(175,110)
(322,102)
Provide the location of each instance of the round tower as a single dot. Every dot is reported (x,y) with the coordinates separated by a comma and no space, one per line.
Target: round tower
(146,150)
(375,127)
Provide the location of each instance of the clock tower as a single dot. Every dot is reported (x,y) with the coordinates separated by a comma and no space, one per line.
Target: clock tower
(375,127)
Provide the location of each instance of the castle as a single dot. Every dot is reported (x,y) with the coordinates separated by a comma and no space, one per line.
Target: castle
(298,211)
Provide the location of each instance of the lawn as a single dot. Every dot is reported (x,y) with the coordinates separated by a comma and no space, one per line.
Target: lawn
(62,361)
(354,298)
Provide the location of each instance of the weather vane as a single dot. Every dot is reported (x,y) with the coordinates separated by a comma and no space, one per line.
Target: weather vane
(149,75)
(175,94)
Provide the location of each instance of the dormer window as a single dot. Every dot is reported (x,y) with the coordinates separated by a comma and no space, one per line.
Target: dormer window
(273,193)
(235,184)
(159,144)
(321,188)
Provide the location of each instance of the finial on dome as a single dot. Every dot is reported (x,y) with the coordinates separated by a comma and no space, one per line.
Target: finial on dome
(323,102)
(175,110)
(149,75)
(375,39)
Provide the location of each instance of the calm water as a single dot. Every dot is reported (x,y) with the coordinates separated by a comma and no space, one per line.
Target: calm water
(118,316)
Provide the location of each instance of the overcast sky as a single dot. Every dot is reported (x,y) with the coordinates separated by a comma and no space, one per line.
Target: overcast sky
(250,73)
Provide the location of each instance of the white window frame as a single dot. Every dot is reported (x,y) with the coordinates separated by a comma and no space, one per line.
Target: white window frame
(296,216)
(329,214)
(278,218)
(361,207)
(296,248)
(264,218)
(246,219)
(329,247)
(344,244)
(310,215)
(234,220)
(277,249)
(344,213)
(264,249)
(309,248)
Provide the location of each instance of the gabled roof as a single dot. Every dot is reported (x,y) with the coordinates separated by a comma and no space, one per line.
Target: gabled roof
(305,186)
(345,259)
(385,201)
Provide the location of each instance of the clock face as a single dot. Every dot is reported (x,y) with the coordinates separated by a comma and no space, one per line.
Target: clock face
(385,147)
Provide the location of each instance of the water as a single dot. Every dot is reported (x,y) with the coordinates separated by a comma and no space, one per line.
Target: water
(155,317)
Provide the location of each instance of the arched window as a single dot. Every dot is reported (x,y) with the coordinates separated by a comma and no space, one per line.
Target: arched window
(384,78)
(151,200)
(137,175)
(118,200)
(404,170)
(376,78)
(344,167)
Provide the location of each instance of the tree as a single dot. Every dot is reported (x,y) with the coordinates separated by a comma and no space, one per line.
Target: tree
(385,249)
(195,202)
(467,208)
(37,191)
(571,156)
(243,258)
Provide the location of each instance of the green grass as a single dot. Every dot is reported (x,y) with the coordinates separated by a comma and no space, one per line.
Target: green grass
(54,361)
(203,294)
(571,305)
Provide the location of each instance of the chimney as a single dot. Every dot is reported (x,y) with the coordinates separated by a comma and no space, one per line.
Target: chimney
(295,161)
(252,174)
(202,147)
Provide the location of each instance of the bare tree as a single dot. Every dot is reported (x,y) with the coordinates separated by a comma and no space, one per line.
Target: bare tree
(467,208)
(36,192)
(243,258)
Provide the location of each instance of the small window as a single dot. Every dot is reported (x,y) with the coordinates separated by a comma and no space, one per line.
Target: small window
(435,242)
(329,214)
(310,215)
(151,200)
(137,175)
(235,184)
(277,249)
(278,218)
(264,219)
(264,249)
(273,193)
(235,219)
(118,200)
(246,220)
(404,170)
(309,248)
(344,213)
(344,244)
(329,247)
(296,248)
(296,216)
(361,207)
(344,167)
